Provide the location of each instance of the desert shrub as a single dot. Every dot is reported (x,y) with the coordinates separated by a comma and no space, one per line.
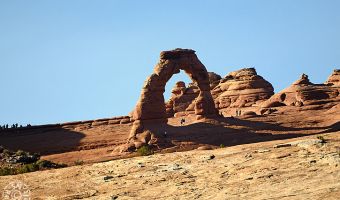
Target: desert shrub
(48,164)
(44,164)
(7,171)
(222,146)
(6,152)
(20,153)
(32,167)
(144,150)
(323,140)
(78,162)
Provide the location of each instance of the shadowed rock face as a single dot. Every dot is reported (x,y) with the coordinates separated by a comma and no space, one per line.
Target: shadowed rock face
(151,105)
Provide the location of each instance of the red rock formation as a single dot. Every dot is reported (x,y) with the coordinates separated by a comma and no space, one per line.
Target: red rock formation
(151,104)
(242,88)
(303,92)
(334,78)
(182,100)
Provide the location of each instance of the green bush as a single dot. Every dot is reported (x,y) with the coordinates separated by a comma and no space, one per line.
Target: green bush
(7,171)
(78,162)
(6,152)
(222,146)
(20,153)
(32,167)
(27,168)
(43,164)
(144,150)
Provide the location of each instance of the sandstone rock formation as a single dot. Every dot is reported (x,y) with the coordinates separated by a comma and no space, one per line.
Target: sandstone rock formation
(303,92)
(334,78)
(182,100)
(242,88)
(151,104)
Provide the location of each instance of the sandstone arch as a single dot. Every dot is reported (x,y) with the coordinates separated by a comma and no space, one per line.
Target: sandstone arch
(151,105)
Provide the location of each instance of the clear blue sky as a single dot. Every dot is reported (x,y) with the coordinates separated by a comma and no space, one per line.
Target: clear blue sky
(66,60)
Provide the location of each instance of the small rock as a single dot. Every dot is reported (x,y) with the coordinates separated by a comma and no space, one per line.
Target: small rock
(248,155)
(176,167)
(282,145)
(283,156)
(312,161)
(140,165)
(210,157)
(114,197)
(262,151)
(107,178)
(204,148)
(265,176)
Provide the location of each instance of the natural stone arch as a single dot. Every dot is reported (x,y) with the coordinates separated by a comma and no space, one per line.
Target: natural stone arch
(151,104)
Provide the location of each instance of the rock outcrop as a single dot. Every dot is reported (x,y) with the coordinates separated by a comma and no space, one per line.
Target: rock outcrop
(182,100)
(303,92)
(334,78)
(151,104)
(242,88)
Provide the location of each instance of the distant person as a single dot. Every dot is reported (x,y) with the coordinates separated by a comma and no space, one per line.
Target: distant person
(182,121)
(165,134)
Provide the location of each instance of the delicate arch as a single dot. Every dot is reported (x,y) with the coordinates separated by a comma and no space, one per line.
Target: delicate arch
(151,104)
(150,110)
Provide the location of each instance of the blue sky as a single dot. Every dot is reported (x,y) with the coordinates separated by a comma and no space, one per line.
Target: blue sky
(67,60)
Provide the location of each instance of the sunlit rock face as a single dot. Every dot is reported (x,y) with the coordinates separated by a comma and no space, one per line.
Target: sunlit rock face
(241,88)
(303,92)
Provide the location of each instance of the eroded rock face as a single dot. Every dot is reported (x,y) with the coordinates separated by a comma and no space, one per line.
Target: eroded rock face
(241,88)
(334,78)
(151,104)
(303,92)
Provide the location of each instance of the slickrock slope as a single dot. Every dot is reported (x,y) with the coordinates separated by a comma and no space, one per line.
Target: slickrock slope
(301,168)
